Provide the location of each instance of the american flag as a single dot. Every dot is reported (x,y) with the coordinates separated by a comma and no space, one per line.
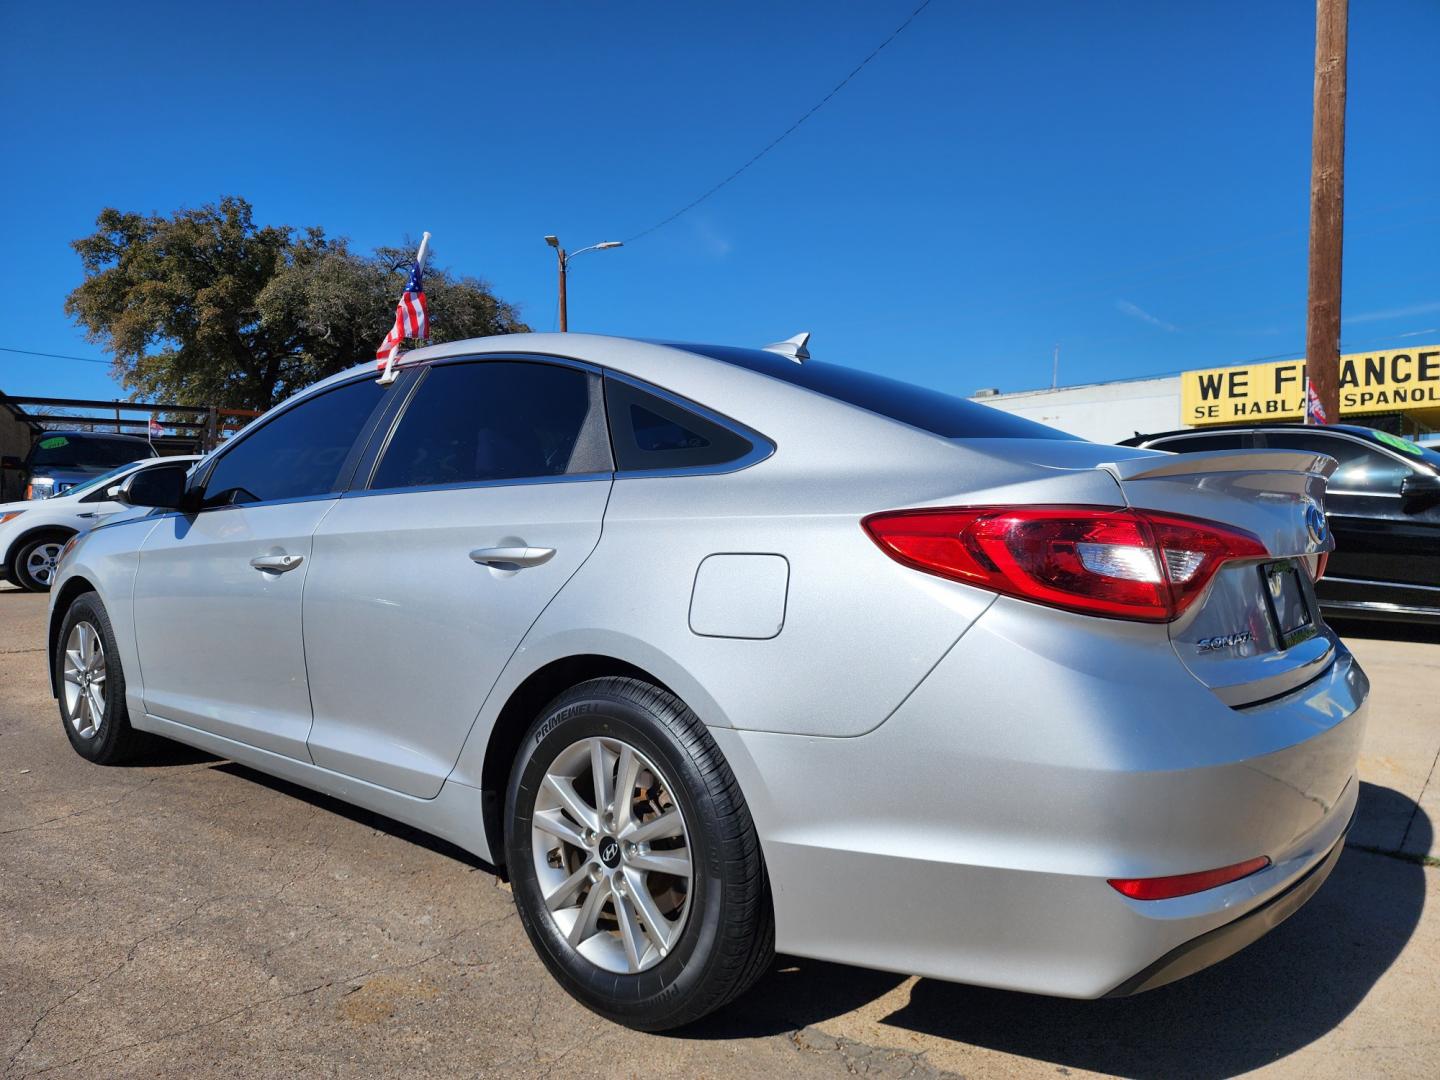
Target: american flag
(411,318)
(155,428)
(1314,410)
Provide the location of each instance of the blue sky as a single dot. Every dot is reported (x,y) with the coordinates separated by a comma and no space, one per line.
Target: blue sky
(1128,180)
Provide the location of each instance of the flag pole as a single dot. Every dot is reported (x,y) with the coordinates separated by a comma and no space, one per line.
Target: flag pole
(388,375)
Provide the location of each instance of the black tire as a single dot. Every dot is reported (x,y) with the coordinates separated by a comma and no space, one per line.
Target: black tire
(112,740)
(17,571)
(728,938)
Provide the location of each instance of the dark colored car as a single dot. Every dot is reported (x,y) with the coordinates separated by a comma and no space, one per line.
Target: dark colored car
(1383,505)
(59,460)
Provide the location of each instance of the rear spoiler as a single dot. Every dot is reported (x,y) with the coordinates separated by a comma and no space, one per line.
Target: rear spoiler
(1221,461)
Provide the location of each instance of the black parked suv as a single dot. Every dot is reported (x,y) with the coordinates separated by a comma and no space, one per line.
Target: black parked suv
(61,459)
(1383,505)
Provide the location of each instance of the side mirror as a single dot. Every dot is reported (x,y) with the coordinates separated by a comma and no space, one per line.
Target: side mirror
(161,486)
(10,461)
(1421,486)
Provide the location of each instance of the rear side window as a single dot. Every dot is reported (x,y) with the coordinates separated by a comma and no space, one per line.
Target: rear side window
(650,432)
(496,420)
(940,414)
(299,453)
(1362,468)
(1189,444)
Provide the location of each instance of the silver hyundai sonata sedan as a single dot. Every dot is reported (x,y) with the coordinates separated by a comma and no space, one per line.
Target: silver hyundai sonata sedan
(715,651)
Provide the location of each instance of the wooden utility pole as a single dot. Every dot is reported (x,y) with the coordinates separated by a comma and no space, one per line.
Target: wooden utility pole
(564,312)
(1327,206)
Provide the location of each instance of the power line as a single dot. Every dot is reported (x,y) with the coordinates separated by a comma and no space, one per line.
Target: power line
(788,131)
(53,356)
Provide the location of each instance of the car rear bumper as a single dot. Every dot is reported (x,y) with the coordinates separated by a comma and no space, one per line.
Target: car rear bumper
(971,836)
(1225,941)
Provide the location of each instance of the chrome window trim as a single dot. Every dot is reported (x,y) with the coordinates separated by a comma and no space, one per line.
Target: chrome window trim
(464,485)
(1162,444)
(328,496)
(761,446)
(1381,584)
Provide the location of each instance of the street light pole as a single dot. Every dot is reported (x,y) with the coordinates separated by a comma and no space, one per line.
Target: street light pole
(563,261)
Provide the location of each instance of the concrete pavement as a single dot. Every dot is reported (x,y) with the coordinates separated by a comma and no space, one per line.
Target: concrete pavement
(189,917)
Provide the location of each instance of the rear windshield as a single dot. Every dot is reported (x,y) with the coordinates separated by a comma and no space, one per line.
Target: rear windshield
(67,452)
(941,414)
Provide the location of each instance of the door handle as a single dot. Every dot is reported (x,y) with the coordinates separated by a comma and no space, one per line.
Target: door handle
(512,558)
(276,564)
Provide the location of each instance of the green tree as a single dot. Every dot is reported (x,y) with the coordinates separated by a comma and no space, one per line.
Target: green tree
(204,307)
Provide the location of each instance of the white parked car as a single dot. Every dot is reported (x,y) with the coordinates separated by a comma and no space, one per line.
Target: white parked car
(33,532)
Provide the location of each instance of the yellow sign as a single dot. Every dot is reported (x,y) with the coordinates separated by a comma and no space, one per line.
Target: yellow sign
(1369,383)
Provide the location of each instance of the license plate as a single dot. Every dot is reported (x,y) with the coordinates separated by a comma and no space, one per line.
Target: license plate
(1288,605)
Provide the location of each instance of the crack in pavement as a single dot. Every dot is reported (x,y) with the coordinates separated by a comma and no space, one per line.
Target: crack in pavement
(1415,813)
(250,1007)
(861,1059)
(86,810)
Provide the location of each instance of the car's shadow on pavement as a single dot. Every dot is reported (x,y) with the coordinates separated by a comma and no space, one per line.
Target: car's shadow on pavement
(1266,1002)
(368,818)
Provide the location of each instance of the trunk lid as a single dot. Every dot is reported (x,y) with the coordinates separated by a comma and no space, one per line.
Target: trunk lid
(1256,633)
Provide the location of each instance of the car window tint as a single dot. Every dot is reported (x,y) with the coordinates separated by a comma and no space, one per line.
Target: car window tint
(297,454)
(918,406)
(59,451)
(650,432)
(1362,468)
(1189,444)
(492,420)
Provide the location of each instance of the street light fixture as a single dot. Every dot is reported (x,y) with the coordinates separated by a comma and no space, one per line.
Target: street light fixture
(564,261)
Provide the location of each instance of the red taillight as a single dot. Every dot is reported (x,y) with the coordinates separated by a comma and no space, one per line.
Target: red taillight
(1166,888)
(1120,563)
(29,492)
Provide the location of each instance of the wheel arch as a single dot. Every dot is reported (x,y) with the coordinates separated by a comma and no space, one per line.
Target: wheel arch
(537,690)
(74,586)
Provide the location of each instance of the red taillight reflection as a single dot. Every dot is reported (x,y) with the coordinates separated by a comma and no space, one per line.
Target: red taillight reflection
(1167,888)
(1119,563)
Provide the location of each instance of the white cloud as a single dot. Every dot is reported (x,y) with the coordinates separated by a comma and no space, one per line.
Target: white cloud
(1393,313)
(1135,311)
(712,241)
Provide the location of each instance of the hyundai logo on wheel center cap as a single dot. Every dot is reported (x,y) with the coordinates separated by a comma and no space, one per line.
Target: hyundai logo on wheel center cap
(610,851)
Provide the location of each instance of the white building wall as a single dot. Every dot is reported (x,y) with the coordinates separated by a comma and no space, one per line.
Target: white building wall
(1101,412)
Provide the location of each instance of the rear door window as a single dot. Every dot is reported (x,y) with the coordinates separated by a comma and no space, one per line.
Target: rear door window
(496,420)
(66,451)
(650,432)
(1189,444)
(1362,468)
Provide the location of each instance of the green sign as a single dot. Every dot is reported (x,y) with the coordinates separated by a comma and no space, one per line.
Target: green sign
(53,443)
(1405,446)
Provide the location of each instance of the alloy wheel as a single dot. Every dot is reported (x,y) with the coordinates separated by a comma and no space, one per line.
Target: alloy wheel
(83,679)
(612,855)
(41,560)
